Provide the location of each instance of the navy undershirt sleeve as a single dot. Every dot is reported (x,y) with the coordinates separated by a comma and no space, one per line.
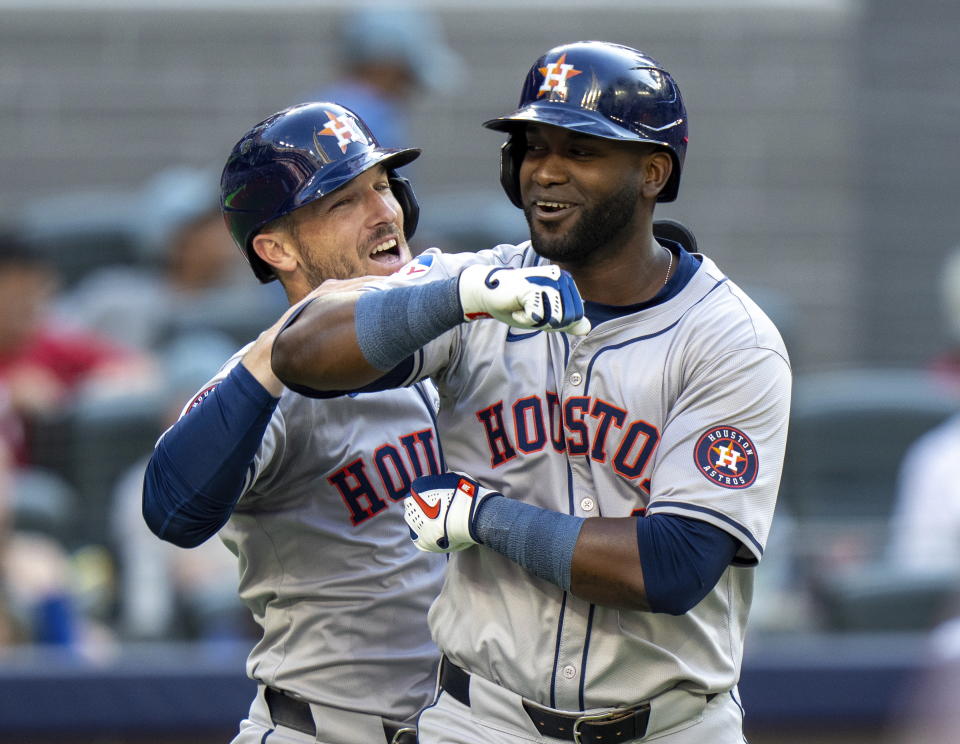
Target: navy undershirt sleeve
(196,473)
(682,560)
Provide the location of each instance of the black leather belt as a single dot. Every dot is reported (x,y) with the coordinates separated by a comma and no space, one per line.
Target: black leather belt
(295,714)
(613,727)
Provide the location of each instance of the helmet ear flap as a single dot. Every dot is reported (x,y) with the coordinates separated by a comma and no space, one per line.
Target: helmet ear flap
(677,232)
(403,192)
(511,155)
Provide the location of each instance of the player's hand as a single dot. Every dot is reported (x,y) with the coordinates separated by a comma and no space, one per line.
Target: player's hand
(257,358)
(441,509)
(542,297)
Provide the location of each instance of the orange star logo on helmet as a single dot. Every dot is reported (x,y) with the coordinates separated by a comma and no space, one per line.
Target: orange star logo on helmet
(345,128)
(555,77)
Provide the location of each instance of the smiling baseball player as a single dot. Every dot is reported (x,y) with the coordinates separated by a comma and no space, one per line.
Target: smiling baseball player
(616,483)
(305,492)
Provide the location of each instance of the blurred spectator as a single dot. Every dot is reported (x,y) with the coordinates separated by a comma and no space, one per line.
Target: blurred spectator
(926,521)
(188,278)
(388,58)
(166,592)
(184,301)
(947,365)
(36,602)
(923,549)
(43,363)
(10,632)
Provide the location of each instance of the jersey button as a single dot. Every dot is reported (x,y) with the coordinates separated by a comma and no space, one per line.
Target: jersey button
(569,671)
(587,504)
(576,378)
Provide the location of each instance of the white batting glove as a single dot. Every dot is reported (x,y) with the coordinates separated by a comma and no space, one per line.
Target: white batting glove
(441,509)
(543,297)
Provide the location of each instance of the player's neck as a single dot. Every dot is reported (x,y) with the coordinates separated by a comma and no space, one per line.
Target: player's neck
(623,275)
(296,286)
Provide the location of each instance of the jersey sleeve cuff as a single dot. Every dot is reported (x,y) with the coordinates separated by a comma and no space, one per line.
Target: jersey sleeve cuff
(751,550)
(249,386)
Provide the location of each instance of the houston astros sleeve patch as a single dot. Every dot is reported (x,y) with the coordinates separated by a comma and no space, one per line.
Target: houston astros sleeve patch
(726,456)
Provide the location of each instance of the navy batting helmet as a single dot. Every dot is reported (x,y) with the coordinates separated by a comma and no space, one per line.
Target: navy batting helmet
(297,156)
(602,89)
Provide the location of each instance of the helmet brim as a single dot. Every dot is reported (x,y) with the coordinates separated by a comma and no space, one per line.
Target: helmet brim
(328,181)
(575,119)
(586,122)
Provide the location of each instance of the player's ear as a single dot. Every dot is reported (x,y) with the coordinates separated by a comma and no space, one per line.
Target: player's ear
(276,248)
(657,167)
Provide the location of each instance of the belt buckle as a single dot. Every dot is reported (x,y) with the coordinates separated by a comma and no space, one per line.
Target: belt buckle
(400,734)
(609,716)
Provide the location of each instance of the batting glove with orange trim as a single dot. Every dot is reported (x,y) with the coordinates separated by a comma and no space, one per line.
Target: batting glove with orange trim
(441,509)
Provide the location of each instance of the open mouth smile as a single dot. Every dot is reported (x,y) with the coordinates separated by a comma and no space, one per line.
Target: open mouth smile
(552,211)
(386,251)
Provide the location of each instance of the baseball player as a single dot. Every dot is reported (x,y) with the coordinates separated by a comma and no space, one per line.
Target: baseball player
(615,480)
(306,491)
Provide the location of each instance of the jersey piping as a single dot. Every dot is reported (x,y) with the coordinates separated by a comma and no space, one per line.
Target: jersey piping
(715,514)
(586,650)
(556,653)
(433,418)
(646,337)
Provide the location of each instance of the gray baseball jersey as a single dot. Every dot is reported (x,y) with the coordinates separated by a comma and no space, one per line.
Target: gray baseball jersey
(326,563)
(680,408)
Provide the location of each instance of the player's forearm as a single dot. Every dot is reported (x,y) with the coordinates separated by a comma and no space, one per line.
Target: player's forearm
(658,563)
(319,349)
(606,567)
(344,342)
(655,563)
(596,559)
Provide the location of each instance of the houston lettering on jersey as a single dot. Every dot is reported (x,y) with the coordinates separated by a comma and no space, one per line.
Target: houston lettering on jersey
(394,468)
(585,426)
(580,426)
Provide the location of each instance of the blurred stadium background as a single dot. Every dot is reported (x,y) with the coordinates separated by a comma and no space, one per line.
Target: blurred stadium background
(821,174)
